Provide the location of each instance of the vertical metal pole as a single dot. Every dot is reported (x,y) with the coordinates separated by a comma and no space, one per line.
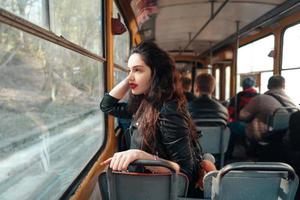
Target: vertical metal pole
(234,68)
(210,57)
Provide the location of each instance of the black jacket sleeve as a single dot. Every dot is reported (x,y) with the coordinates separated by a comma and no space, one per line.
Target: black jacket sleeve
(173,127)
(111,105)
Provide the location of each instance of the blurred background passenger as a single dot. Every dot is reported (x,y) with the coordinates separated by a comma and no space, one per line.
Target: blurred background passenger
(187,86)
(205,106)
(237,127)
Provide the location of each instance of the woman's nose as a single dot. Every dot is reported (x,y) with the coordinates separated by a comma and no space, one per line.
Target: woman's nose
(130,77)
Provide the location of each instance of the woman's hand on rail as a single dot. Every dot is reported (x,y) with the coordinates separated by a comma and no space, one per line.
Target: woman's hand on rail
(121,160)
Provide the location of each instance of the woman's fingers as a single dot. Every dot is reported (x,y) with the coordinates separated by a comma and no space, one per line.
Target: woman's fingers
(122,159)
(106,162)
(115,161)
(126,162)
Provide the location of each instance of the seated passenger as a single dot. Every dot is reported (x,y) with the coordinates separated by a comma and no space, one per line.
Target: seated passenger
(187,86)
(257,112)
(205,106)
(242,98)
(161,126)
(237,127)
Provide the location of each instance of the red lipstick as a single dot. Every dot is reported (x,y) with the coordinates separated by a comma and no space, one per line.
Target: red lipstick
(132,85)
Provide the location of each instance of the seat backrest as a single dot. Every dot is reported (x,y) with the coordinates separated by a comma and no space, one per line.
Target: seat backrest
(280,119)
(132,185)
(252,181)
(207,183)
(103,188)
(214,139)
(294,130)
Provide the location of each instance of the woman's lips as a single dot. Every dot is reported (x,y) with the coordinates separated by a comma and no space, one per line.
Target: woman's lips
(132,85)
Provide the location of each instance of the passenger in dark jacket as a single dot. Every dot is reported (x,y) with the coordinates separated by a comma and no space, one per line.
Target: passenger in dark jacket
(205,106)
(187,86)
(161,126)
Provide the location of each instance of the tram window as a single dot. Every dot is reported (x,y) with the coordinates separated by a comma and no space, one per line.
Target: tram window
(121,42)
(254,57)
(33,11)
(292,84)
(79,21)
(119,75)
(227,82)
(291,62)
(217,76)
(291,48)
(50,122)
(264,78)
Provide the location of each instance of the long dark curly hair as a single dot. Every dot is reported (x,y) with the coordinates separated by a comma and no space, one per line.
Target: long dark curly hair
(165,86)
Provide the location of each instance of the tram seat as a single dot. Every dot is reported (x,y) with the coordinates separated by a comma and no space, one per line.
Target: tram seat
(251,181)
(150,186)
(278,122)
(267,149)
(214,139)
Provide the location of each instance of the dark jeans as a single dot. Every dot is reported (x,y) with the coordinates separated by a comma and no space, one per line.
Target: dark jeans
(237,132)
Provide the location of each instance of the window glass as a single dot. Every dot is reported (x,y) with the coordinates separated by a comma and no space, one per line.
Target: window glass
(50,124)
(119,75)
(264,78)
(292,83)
(227,83)
(79,21)
(121,42)
(291,47)
(256,56)
(217,92)
(32,10)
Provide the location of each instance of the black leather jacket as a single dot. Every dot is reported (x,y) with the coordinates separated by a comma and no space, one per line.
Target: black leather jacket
(173,141)
(205,107)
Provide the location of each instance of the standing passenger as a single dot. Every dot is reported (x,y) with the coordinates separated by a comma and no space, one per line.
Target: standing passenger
(161,127)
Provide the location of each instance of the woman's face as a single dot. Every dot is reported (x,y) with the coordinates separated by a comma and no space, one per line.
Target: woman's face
(139,76)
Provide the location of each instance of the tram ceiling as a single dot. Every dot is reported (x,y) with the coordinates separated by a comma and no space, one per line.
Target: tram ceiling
(193,26)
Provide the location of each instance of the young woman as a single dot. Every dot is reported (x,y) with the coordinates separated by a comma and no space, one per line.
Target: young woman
(161,127)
